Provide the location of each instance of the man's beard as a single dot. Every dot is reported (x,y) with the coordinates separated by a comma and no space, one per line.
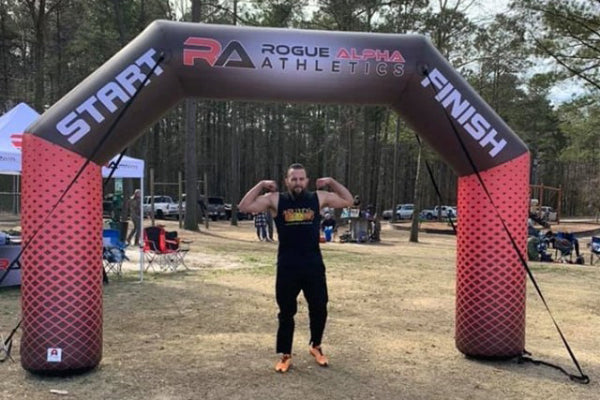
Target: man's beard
(297,194)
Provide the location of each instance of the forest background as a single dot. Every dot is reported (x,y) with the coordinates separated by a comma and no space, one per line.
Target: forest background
(519,61)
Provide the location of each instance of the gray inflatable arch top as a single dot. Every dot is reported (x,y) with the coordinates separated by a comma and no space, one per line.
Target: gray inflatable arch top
(271,64)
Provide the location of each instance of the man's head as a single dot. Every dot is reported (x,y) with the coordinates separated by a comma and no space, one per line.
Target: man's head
(136,193)
(296,180)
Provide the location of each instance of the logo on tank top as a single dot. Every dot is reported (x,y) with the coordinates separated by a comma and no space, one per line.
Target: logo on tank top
(298,216)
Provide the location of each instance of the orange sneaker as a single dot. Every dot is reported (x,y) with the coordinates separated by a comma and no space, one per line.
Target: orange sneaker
(284,364)
(320,358)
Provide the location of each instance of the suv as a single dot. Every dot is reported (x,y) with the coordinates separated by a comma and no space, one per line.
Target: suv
(405,211)
(164,206)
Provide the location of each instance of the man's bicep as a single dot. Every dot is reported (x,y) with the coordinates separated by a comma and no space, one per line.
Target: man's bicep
(261,203)
(332,200)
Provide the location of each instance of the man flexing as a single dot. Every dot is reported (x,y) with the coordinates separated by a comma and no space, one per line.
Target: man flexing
(299,263)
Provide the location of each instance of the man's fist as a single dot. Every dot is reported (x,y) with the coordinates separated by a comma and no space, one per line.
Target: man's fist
(322,182)
(269,186)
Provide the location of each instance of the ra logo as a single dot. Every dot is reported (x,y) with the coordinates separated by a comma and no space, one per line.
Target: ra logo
(211,52)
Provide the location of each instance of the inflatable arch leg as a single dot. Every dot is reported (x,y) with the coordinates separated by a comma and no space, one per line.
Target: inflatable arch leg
(490,283)
(62,268)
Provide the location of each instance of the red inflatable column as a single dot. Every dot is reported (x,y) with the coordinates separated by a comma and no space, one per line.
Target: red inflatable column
(490,284)
(62,266)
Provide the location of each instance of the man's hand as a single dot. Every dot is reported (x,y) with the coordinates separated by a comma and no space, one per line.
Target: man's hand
(322,182)
(269,186)
(338,197)
(255,201)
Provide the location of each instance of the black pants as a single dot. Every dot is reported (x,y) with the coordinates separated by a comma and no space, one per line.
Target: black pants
(310,279)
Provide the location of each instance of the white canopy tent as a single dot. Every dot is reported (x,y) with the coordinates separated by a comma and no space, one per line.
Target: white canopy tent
(12,126)
(15,121)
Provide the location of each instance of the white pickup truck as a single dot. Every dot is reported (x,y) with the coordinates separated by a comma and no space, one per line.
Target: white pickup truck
(164,206)
(435,212)
(403,211)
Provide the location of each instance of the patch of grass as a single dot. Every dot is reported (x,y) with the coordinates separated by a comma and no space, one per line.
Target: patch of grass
(561,269)
(10,293)
(255,270)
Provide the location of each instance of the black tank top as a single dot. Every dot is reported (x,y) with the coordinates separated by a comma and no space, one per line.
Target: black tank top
(298,221)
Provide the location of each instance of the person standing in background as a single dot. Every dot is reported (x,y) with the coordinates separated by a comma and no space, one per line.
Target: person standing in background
(134,207)
(269,227)
(260,223)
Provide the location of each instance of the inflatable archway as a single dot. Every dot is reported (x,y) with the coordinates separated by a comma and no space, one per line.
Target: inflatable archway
(62,293)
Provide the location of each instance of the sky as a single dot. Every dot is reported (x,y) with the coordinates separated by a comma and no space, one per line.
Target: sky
(489,8)
(483,11)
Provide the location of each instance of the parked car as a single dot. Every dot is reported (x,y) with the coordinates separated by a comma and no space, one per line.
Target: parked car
(215,207)
(433,213)
(544,213)
(548,214)
(240,215)
(387,214)
(403,211)
(164,206)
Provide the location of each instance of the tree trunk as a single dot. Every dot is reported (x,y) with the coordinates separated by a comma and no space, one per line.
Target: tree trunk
(379,170)
(395,171)
(235,168)
(191,170)
(120,21)
(191,153)
(4,53)
(38,17)
(414,227)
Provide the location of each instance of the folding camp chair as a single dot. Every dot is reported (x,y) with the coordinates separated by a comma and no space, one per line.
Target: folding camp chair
(113,251)
(163,249)
(564,247)
(179,247)
(152,247)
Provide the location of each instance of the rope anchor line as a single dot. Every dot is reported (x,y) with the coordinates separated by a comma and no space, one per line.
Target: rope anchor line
(6,345)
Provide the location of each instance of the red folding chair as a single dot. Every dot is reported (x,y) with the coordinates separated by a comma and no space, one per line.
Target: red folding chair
(178,247)
(162,251)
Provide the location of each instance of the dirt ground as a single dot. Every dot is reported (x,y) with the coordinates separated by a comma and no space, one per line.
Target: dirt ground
(208,332)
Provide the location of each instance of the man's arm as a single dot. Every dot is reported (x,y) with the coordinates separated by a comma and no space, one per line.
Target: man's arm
(340,197)
(255,202)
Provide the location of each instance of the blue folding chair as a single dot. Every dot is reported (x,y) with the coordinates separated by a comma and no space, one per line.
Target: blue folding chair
(113,251)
